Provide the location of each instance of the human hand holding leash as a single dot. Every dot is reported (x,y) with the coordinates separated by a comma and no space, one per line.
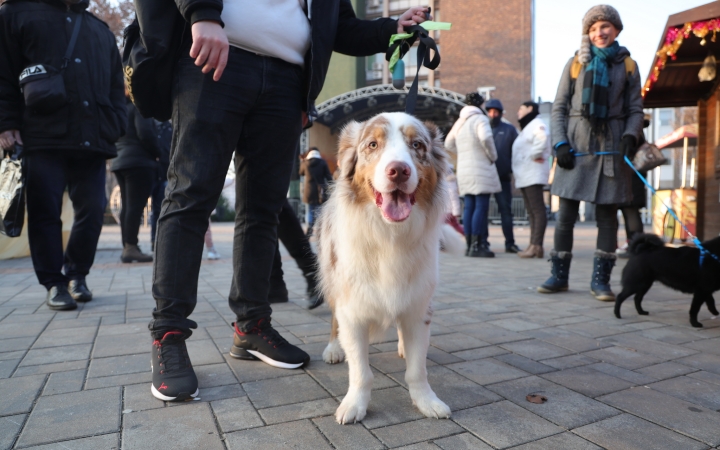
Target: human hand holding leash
(565,158)
(9,138)
(210,47)
(413,16)
(628,146)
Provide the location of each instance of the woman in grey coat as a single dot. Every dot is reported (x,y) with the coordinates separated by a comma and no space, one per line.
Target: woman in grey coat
(596,120)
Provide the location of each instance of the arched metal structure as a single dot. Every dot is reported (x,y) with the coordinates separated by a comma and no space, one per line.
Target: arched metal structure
(435,104)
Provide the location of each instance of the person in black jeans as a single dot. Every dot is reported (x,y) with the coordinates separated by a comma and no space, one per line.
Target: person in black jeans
(269,81)
(158,190)
(66,139)
(135,168)
(290,233)
(504,135)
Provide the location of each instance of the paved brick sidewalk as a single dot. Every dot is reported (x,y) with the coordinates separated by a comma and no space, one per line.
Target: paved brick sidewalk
(80,379)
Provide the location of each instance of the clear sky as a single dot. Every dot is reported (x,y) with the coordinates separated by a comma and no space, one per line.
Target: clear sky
(558,27)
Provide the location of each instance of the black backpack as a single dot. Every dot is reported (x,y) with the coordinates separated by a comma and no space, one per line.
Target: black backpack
(152,46)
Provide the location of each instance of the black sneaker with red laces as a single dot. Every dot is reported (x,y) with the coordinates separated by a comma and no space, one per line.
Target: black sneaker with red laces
(173,378)
(263,342)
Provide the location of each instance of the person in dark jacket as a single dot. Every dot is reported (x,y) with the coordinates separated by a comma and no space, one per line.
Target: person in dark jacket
(317,176)
(272,62)
(67,138)
(158,192)
(504,135)
(136,168)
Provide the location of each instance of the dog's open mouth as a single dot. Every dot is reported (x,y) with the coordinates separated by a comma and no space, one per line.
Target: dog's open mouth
(396,206)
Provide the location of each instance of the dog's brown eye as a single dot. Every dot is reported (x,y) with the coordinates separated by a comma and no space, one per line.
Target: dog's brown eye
(416,145)
(373,145)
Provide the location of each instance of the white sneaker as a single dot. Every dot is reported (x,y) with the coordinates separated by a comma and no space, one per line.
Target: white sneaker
(213,254)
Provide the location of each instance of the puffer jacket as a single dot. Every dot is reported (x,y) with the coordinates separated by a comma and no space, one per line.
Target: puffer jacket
(532,143)
(471,138)
(140,145)
(34,32)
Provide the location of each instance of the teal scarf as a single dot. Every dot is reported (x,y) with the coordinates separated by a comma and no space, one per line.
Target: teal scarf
(596,82)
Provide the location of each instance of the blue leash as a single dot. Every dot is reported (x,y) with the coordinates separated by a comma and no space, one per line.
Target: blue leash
(695,240)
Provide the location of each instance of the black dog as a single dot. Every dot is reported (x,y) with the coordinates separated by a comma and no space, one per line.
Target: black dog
(678,268)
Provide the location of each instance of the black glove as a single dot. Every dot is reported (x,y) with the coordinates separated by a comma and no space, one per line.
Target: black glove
(565,158)
(628,146)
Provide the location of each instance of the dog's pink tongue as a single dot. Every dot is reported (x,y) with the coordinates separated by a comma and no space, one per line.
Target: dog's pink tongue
(396,206)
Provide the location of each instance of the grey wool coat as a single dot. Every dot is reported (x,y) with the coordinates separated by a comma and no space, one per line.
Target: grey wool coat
(600,179)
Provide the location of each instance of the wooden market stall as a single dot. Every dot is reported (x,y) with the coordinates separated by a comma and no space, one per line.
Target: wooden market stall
(685,73)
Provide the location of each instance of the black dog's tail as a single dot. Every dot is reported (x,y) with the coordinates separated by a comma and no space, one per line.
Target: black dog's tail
(643,243)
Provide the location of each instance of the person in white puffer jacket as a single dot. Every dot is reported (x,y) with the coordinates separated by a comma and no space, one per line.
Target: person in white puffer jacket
(530,153)
(471,139)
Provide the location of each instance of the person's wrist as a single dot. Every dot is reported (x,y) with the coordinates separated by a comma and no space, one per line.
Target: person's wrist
(206,15)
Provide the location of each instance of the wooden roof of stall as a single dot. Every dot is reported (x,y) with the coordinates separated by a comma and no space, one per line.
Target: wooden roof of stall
(678,84)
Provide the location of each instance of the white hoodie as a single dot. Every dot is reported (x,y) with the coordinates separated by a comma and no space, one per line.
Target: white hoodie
(472,139)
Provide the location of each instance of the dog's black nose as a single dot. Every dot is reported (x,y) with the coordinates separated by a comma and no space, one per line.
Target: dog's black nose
(398,172)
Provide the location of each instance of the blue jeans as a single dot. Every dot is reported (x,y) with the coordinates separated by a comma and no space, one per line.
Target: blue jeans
(255,109)
(504,202)
(475,217)
(313,211)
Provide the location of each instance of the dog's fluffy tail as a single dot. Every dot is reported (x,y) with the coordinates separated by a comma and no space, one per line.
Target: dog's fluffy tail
(451,241)
(643,243)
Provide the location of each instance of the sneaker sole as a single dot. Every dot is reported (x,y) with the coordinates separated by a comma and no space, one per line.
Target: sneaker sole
(180,398)
(241,353)
(543,290)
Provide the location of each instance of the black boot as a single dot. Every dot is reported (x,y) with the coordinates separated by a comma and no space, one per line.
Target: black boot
(602,268)
(59,299)
(132,253)
(468,239)
(478,250)
(560,271)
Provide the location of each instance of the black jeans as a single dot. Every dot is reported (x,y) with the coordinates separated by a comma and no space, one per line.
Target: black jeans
(290,233)
(135,187)
(255,109)
(47,174)
(607,223)
(504,202)
(535,206)
(633,221)
(157,196)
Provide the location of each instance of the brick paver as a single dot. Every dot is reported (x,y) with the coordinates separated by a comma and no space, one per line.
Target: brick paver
(80,379)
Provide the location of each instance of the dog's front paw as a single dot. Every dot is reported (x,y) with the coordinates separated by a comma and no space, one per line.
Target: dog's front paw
(401,349)
(333,353)
(696,324)
(352,409)
(432,407)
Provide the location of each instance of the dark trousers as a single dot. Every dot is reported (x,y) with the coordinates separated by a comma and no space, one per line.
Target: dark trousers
(47,174)
(475,216)
(633,221)
(135,187)
(605,216)
(535,206)
(157,196)
(504,202)
(255,109)
(290,233)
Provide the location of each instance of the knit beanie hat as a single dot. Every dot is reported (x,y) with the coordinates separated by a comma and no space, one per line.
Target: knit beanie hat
(596,14)
(474,99)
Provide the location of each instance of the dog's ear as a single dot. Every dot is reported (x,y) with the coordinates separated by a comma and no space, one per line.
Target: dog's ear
(436,152)
(347,149)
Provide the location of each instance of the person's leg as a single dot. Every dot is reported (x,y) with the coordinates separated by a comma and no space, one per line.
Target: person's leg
(468,213)
(45,180)
(263,163)
(504,202)
(566,217)
(278,290)
(208,237)
(122,184)
(157,196)
(86,186)
(604,261)
(633,221)
(530,210)
(480,218)
(537,205)
(138,187)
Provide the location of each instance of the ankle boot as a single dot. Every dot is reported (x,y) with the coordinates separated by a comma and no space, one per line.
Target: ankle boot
(132,253)
(533,251)
(602,268)
(478,250)
(560,271)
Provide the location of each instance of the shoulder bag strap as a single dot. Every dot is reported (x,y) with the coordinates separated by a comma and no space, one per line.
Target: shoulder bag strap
(73,40)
